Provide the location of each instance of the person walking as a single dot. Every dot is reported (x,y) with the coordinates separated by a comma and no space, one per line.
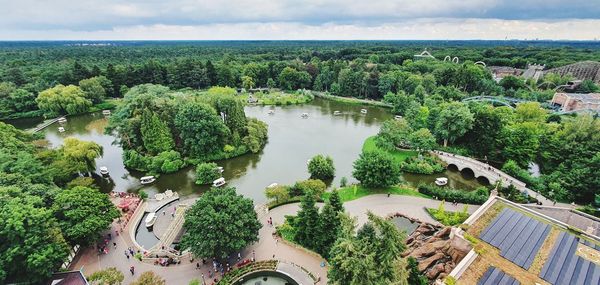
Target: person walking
(132,270)
(127,254)
(198,265)
(115,244)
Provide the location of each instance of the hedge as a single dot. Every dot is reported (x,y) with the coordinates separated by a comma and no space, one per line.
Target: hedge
(477,197)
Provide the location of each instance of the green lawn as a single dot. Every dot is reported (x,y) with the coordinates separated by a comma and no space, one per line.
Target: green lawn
(353,192)
(399,155)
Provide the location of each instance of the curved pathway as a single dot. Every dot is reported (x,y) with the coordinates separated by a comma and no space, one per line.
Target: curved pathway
(266,248)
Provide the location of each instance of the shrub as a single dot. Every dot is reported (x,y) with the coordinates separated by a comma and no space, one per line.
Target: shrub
(478,196)
(316,186)
(280,193)
(143,194)
(321,167)
(425,164)
(448,218)
(343,182)
(206,173)
(511,193)
(513,169)
(167,162)
(376,169)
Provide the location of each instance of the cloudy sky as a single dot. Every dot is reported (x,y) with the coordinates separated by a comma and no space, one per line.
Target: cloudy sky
(300,19)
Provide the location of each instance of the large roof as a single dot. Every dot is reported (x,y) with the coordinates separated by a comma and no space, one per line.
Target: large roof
(68,278)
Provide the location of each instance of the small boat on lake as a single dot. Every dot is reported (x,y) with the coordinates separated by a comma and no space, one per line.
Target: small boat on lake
(363,111)
(304,115)
(220,169)
(219,182)
(103,170)
(106,112)
(150,220)
(62,120)
(337,113)
(272,185)
(271,112)
(61,129)
(398,117)
(441,181)
(147,179)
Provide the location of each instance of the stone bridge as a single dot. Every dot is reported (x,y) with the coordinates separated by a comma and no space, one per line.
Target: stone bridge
(483,171)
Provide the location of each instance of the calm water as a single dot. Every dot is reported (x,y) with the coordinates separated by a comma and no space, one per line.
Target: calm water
(292,141)
(405,224)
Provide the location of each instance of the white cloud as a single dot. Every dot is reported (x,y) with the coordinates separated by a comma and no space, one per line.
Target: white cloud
(419,29)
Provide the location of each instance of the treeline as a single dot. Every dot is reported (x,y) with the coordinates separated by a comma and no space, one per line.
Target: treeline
(352,69)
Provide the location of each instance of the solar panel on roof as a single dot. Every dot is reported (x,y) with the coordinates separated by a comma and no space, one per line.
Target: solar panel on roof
(517,236)
(564,266)
(495,276)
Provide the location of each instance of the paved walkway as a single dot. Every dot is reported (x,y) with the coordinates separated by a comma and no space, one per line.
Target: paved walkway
(266,248)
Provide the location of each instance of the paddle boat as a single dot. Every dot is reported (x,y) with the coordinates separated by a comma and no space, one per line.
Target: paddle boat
(398,117)
(103,170)
(159,196)
(61,129)
(219,182)
(147,179)
(304,115)
(272,185)
(337,113)
(62,120)
(441,181)
(220,169)
(150,220)
(106,112)
(363,111)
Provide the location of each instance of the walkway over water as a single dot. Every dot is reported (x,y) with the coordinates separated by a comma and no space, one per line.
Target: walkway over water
(45,124)
(493,175)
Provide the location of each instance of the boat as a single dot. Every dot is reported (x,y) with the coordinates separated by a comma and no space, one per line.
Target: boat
(271,112)
(147,179)
(150,220)
(363,111)
(62,120)
(105,112)
(304,115)
(272,185)
(104,170)
(219,182)
(398,117)
(441,181)
(337,113)
(61,129)
(220,169)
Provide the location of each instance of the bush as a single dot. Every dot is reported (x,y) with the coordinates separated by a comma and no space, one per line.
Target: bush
(257,135)
(321,167)
(206,173)
(316,186)
(143,194)
(513,169)
(511,193)
(287,230)
(280,193)
(376,169)
(477,197)
(425,164)
(448,218)
(343,182)
(166,162)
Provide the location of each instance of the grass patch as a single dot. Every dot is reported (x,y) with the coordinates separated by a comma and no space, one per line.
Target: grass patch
(354,192)
(448,218)
(399,155)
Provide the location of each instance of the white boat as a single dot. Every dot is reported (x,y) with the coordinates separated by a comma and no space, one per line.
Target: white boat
(221,169)
(271,112)
(304,115)
(61,129)
(219,182)
(441,181)
(150,220)
(62,120)
(147,179)
(105,112)
(398,117)
(363,111)
(337,113)
(104,170)
(272,185)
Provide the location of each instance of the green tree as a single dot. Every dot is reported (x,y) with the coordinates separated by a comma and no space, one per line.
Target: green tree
(201,130)
(376,169)
(149,278)
(235,118)
(247,82)
(329,223)
(393,134)
(314,186)
(108,276)
(257,135)
(32,245)
(452,122)
(83,152)
(292,79)
(415,277)
(280,193)
(321,167)
(530,112)
(422,140)
(207,172)
(220,223)
(94,88)
(83,214)
(307,222)
(62,99)
(155,133)
(520,142)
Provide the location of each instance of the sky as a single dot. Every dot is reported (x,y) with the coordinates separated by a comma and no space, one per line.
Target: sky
(298,20)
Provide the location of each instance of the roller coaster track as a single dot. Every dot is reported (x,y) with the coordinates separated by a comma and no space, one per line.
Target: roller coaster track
(512,102)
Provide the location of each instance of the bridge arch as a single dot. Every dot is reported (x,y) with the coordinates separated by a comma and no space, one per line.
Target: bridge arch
(468,172)
(453,167)
(483,180)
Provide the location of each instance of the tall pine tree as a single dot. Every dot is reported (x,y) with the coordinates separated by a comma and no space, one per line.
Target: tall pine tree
(307,222)
(329,224)
(155,134)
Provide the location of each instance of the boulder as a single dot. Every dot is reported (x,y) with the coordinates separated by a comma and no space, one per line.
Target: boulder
(425,229)
(425,263)
(429,249)
(435,271)
(443,233)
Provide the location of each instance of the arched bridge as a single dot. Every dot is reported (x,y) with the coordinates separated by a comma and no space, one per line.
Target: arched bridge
(493,175)
(506,101)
